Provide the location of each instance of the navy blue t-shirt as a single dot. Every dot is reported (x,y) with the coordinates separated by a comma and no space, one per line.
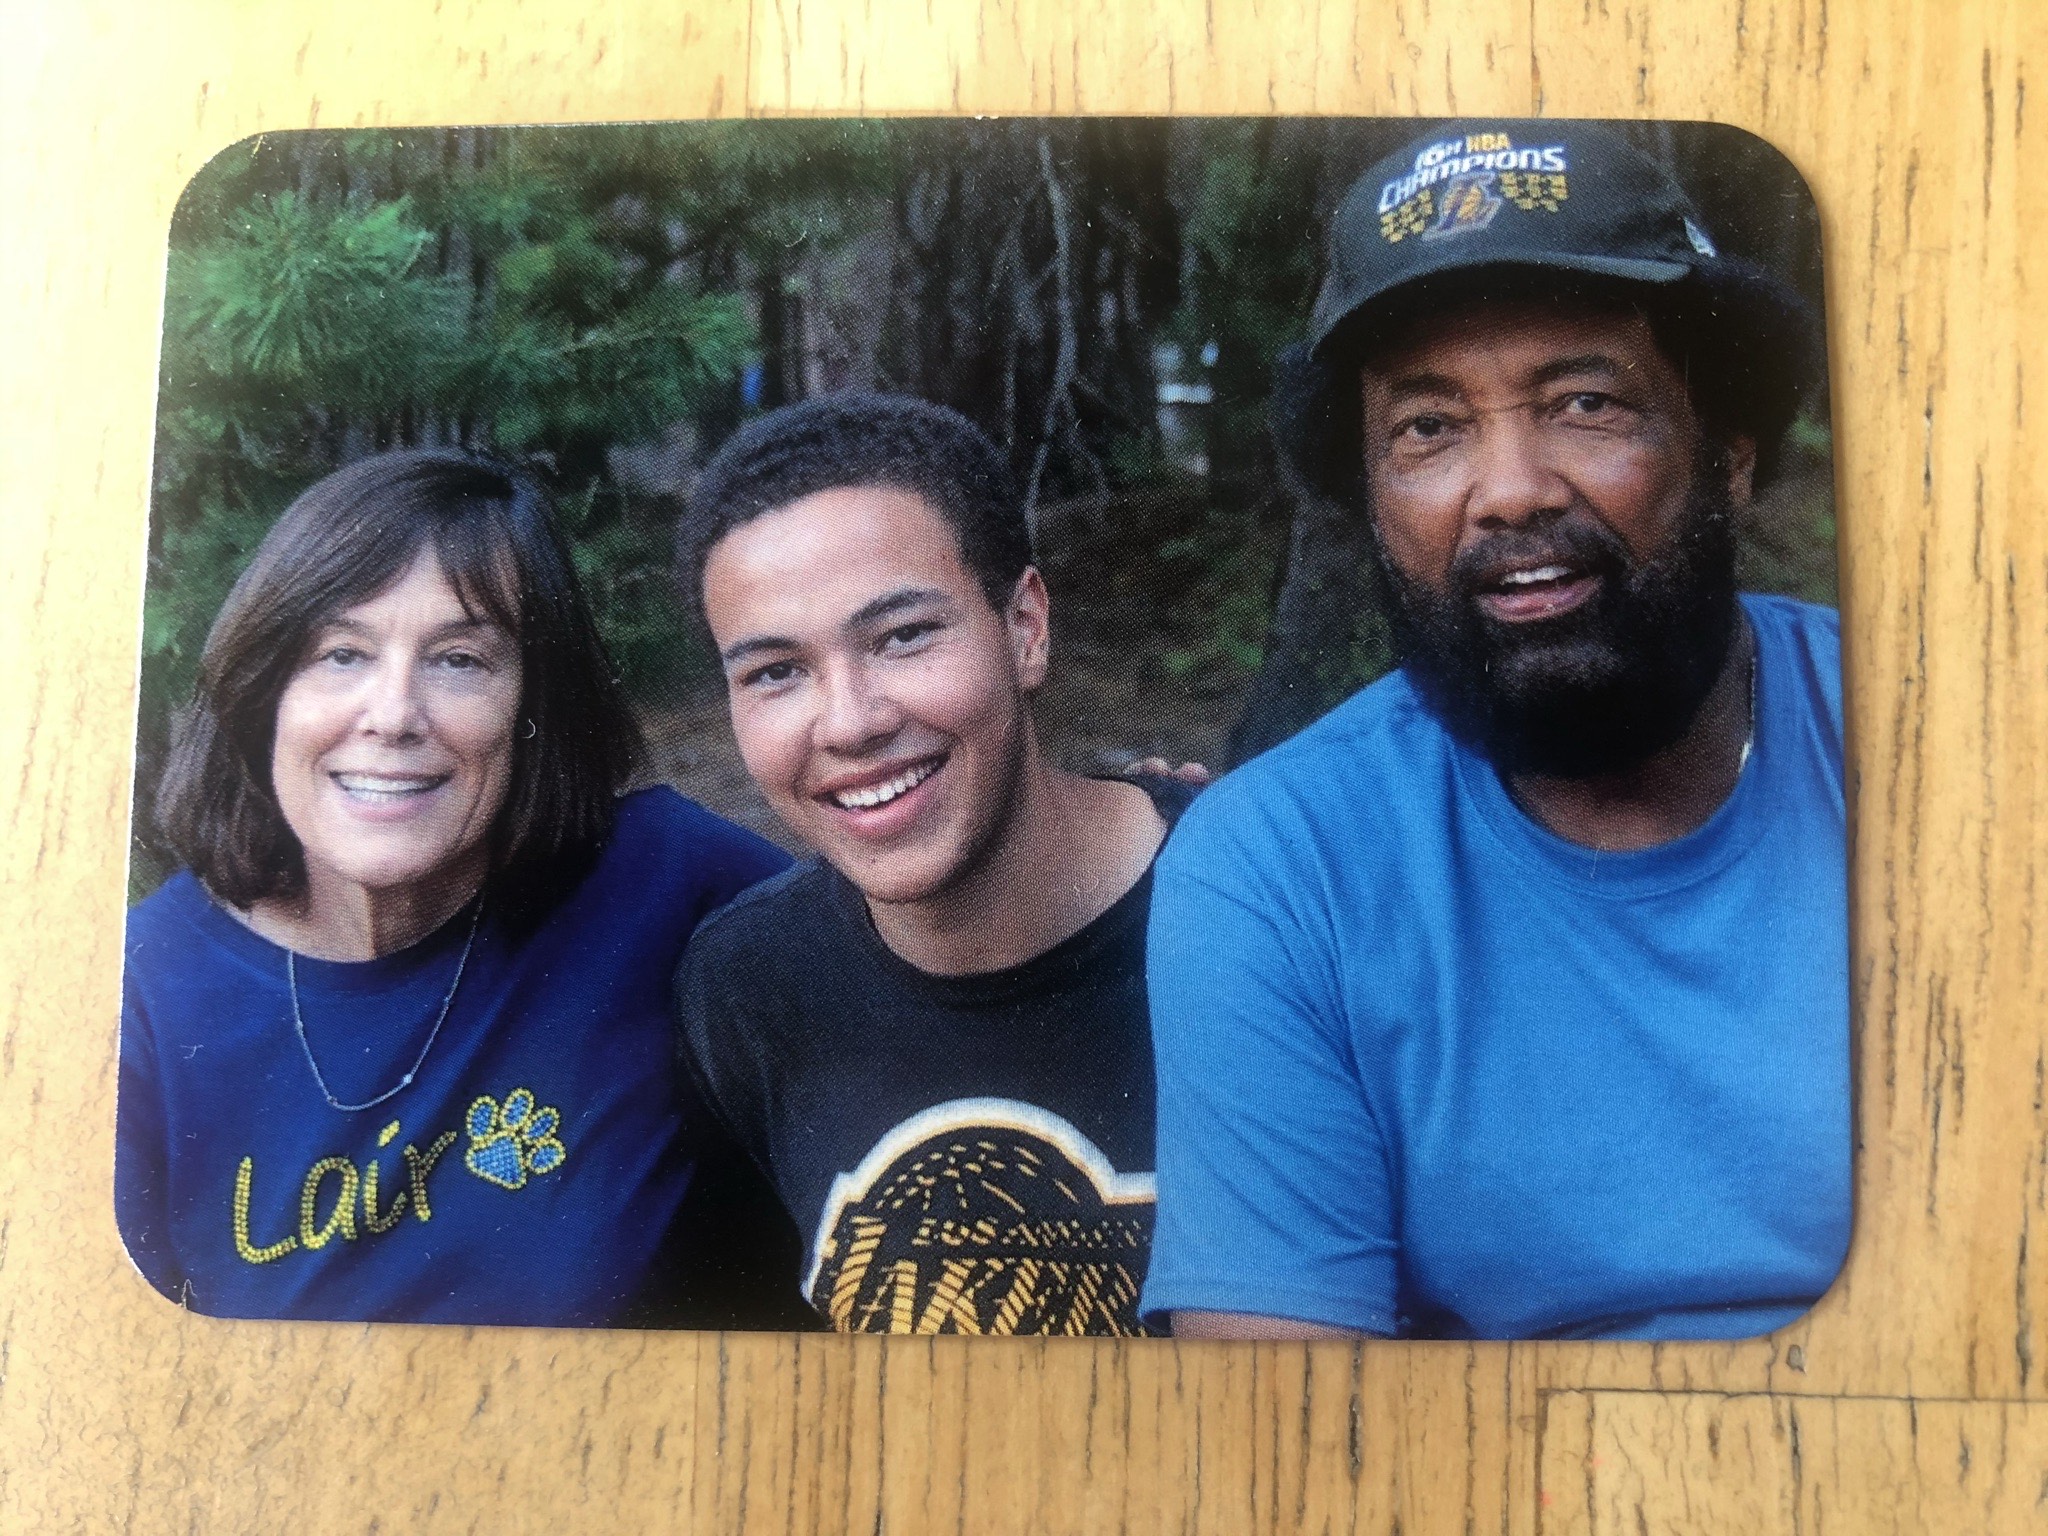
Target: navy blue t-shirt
(1427,1069)
(532,1172)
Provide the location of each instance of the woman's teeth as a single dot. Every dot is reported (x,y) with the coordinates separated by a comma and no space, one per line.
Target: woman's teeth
(376,789)
(872,795)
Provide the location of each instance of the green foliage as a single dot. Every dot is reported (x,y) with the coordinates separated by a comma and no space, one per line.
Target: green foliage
(1250,276)
(547,296)
(1230,587)
(1786,537)
(622,555)
(317,303)
(570,392)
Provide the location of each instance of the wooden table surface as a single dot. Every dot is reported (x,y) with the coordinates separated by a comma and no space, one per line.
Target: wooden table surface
(1915,1398)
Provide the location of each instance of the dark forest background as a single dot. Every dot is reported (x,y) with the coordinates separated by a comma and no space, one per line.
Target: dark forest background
(1105,297)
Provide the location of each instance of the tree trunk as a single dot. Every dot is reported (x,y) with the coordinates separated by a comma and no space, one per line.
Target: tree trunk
(1327,638)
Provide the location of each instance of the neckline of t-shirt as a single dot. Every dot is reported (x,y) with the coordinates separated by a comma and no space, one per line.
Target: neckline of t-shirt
(1700,854)
(1170,796)
(1006,985)
(384,973)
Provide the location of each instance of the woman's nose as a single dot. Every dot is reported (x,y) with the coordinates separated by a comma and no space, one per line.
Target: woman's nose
(391,705)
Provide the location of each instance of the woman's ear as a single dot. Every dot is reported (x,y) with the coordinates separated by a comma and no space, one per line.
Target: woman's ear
(1028,618)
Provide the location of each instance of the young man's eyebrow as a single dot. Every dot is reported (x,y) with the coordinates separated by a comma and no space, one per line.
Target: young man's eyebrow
(891,603)
(861,618)
(754,645)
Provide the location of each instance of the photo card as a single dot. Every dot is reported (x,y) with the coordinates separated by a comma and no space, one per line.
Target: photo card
(1226,727)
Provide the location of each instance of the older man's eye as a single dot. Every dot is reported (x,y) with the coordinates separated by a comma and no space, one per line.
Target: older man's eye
(1424,429)
(1591,405)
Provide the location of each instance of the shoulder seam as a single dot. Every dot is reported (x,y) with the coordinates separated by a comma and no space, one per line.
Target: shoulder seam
(761,890)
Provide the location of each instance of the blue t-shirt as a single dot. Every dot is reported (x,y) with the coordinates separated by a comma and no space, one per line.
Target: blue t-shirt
(1427,1069)
(529,1174)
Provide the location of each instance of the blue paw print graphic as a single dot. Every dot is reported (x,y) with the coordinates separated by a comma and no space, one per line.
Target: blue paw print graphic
(514,1141)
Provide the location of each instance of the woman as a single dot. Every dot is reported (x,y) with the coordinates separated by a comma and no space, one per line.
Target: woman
(395,1042)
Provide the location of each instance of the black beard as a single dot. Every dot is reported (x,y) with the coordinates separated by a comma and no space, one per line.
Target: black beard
(1595,691)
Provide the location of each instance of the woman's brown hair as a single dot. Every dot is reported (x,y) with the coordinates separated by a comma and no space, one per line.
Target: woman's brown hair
(345,539)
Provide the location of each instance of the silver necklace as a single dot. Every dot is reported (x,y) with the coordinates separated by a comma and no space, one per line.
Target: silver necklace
(291,976)
(1749,741)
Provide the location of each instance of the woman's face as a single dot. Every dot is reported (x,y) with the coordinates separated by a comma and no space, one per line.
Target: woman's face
(393,747)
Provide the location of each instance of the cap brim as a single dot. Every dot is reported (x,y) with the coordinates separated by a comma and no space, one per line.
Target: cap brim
(1376,305)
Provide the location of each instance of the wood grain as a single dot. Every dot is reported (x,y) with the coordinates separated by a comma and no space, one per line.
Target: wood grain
(1701,1465)
(1910,1401)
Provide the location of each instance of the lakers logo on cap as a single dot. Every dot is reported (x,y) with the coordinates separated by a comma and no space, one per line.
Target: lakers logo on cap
(1470,203)
(1461,183)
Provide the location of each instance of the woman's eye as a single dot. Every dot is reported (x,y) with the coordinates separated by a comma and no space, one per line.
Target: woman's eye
(773,675)
(342,656)
(463,661)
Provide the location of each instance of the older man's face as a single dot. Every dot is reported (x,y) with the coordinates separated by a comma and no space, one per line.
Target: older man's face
(1555,530)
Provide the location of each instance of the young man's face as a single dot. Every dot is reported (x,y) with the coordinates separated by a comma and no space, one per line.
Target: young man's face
(878,699)
(1556,531)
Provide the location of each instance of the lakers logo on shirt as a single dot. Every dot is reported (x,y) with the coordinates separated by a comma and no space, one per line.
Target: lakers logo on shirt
(983,1216)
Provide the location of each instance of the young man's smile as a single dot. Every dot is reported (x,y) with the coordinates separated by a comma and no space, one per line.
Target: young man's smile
(862,793)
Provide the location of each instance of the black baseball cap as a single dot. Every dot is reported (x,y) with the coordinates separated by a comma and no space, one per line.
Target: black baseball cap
(1496,205)
(1560,195)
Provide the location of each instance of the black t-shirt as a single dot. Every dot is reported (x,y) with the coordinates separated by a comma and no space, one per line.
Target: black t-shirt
(965,1154)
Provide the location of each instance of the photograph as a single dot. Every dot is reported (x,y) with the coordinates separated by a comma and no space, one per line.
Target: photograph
(1226,728)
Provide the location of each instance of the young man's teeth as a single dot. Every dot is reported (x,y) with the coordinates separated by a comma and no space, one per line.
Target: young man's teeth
(1541,573)
(881,794)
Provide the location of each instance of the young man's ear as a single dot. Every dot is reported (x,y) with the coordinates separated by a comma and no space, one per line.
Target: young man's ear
(1028,618)
(1741,470)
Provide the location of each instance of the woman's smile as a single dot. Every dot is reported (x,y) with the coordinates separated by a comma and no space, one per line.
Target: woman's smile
(388,794)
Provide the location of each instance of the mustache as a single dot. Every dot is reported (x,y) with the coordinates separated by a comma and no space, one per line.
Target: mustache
(1585,548)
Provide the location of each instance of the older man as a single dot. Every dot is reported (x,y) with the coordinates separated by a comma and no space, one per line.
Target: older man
(1510,1000)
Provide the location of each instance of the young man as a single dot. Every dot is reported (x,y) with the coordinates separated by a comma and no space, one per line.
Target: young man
(933,1039)
(1540,942)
